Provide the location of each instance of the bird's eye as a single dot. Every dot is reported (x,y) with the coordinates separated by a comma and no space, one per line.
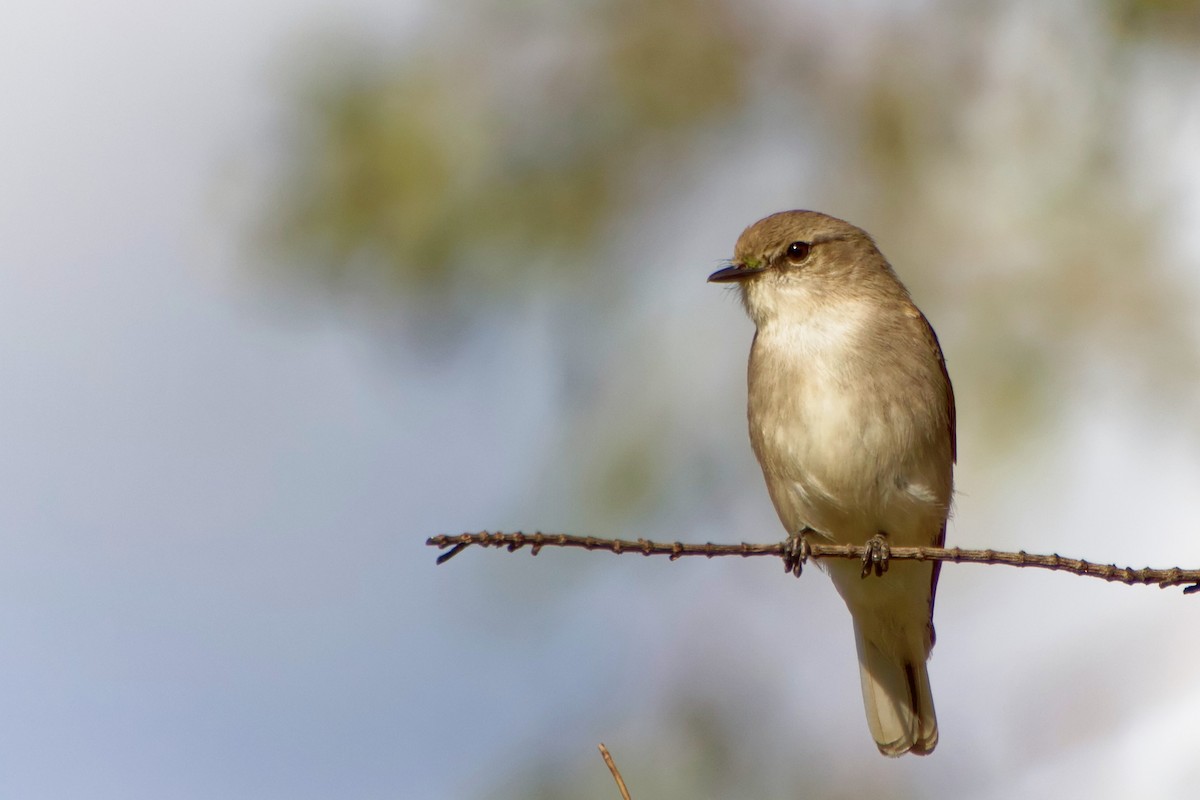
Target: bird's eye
(798,251)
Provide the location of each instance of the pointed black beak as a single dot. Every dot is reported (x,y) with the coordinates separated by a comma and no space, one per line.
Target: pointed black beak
(734,272)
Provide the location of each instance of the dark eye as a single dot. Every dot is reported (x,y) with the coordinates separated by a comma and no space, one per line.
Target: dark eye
(798,251)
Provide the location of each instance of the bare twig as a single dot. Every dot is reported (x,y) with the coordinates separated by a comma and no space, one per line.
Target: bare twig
(536,541)
(612,767)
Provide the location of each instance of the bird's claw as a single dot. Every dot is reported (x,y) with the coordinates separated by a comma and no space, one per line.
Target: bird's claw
(796,551)
(876,557)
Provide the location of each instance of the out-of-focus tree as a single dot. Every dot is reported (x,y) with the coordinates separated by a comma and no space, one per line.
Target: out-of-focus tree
(993,148)
(1157,22)
(488,161)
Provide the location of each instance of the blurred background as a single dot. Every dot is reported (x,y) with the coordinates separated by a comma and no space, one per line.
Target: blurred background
(286,288)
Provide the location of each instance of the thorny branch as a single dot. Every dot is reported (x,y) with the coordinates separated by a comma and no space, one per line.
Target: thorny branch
(536,541)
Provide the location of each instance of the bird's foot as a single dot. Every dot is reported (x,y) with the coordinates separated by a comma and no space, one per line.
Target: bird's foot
(875,559)
(796,551)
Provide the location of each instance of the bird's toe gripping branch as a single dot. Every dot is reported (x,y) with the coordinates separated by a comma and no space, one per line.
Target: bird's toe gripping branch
(796,551)
(878,553)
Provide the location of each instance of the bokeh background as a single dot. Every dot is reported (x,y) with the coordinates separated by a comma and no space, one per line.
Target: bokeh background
(286,288)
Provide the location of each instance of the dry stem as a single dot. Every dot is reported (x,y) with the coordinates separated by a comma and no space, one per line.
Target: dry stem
(616,773)
(1109,572)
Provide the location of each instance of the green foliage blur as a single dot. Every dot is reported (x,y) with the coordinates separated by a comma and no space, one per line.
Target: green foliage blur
(1010,186)
(478,163)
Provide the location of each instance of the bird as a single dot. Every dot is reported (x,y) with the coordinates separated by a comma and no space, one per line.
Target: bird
(852,419)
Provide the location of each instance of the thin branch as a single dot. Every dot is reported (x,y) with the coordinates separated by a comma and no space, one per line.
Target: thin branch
(536,541)
(612,767)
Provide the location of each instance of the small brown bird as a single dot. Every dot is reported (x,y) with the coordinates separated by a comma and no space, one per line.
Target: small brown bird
(852,420)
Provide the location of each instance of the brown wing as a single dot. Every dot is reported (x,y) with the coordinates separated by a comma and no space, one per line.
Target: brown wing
(932,339)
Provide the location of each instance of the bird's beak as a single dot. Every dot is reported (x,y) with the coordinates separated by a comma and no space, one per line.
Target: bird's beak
(735,272)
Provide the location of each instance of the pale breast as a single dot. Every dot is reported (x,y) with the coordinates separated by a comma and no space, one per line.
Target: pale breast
(844,423)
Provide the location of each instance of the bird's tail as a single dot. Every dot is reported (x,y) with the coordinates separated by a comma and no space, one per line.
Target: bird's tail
(897,698)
